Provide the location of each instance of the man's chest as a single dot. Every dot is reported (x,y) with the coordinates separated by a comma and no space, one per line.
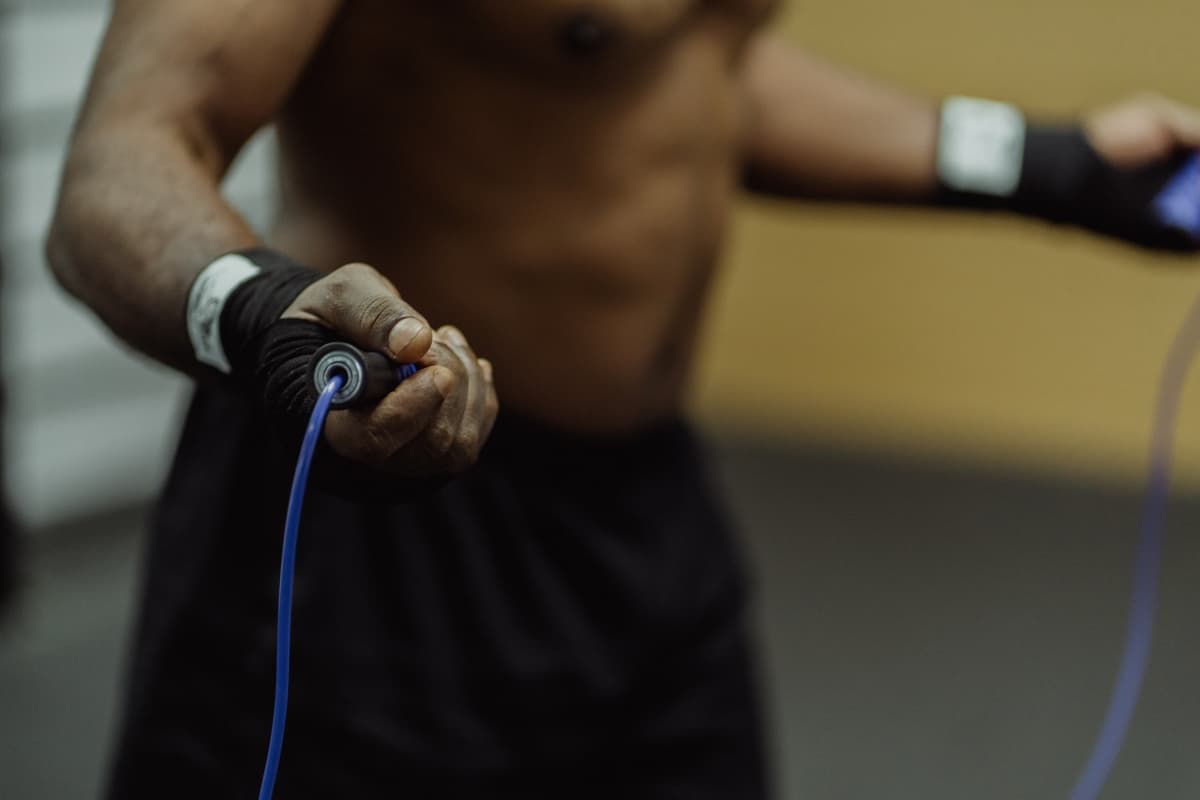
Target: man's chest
(574,31)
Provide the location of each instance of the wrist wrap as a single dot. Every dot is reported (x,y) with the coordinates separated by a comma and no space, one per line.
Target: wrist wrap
(990,159)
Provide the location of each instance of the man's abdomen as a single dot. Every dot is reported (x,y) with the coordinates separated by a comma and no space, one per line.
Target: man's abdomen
(570,234)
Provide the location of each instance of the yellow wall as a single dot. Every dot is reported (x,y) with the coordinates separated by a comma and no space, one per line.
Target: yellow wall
(973,338)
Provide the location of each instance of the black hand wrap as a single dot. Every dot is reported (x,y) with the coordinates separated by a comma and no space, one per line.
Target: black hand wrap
(270,357)
(256,306)
(1064,180)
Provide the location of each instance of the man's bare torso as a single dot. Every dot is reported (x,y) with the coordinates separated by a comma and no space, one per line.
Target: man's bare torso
(553,177)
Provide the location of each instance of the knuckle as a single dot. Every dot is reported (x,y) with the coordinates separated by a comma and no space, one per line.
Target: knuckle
(460,363)
(378,312)
(356,269)
(375,445)
(466,446)
(440,439)
(355,449)
(451,379)
(335,286)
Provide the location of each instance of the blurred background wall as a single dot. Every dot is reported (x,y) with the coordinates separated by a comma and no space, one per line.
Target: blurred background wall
(932,429)
(90,425)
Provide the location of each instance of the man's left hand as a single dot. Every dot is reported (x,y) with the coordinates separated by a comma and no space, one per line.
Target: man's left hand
(1143,130)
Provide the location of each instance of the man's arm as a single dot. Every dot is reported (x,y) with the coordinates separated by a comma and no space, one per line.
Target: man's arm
(177,90)
(815,130)
(141,230)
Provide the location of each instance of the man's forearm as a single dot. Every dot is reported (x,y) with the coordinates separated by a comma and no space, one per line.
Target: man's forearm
(140,214)
(815,130)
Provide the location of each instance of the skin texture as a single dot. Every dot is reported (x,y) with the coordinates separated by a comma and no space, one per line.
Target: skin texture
(551,177)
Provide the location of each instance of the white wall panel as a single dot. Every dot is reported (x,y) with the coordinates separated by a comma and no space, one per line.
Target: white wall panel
(90,425)
(47,54)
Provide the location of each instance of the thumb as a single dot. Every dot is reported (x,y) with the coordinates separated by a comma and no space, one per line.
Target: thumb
(360,304)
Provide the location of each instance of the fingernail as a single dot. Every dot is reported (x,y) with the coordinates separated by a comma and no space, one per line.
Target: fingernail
(403,334)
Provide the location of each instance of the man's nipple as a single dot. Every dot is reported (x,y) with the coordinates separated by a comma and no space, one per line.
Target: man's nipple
(586,33)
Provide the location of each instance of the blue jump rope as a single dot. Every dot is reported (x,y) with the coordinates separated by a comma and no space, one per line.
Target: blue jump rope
(344,376)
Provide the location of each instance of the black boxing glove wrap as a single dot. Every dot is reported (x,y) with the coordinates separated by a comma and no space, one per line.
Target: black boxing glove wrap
(256,305)
(281,355)
(1053,173)
(1064,180)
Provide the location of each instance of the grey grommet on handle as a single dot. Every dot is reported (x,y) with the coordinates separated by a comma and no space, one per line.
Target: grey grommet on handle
(368,377)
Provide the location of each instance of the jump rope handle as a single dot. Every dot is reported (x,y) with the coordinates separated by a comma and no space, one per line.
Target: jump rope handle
(367,377)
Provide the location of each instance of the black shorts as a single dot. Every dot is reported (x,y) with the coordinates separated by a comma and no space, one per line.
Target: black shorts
(8,553)
(565,620)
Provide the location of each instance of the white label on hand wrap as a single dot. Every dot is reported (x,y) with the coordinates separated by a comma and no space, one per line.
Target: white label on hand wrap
(207,299)
(981,146)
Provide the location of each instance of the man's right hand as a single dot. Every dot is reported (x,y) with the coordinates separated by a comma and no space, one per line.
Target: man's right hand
(434,423)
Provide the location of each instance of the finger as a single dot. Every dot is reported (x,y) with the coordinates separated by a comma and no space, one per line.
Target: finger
(476,414)
(1183,121)
(374,435)
(1178,122)
(491,403)
(362,305)
(441,435)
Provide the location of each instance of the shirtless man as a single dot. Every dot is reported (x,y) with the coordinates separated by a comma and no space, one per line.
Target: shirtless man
(564,617)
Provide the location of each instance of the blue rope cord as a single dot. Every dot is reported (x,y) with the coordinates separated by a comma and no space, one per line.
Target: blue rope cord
(287,568)
(1144,596)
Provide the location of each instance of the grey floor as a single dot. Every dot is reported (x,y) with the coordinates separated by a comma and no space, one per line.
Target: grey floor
(929,633)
